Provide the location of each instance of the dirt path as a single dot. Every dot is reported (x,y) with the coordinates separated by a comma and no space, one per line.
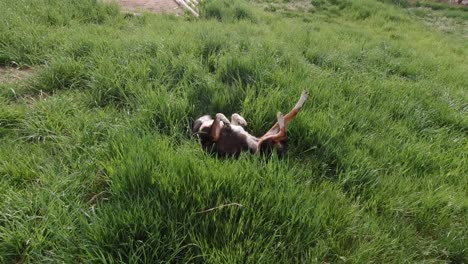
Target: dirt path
(157,6)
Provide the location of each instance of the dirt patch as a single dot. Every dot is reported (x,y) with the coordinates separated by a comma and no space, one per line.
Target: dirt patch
(17,76)
(298,5)
(440,22)
(11,75)
(156,6)
(302,5)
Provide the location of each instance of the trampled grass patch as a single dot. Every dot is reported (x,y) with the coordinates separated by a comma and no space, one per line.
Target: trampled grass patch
(97,163)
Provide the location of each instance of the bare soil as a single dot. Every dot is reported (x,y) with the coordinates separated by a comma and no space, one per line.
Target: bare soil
(10,74)
(156,6)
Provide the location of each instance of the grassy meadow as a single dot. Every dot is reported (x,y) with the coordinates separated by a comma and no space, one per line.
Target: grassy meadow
(97,164)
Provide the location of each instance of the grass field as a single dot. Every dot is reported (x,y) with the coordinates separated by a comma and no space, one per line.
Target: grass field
(97,163)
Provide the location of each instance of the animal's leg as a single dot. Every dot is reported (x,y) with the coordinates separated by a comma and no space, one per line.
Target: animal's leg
(237,119)
(279,136)
(289,116)
(215,130)
(216,127)
(223,118)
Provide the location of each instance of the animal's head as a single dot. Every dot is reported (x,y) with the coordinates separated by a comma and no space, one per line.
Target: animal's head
(269,146)
(201,129)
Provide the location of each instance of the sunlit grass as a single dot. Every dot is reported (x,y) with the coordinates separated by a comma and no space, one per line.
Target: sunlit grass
(97,163)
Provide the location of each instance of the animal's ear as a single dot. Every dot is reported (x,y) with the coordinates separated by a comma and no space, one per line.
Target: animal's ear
(199,122)
(281,148)
(196,126)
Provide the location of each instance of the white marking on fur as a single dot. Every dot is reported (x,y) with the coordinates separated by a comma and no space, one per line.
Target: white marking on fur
(205,118)
(207,123)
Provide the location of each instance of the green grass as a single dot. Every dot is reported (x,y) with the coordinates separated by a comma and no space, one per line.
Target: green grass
(97,163)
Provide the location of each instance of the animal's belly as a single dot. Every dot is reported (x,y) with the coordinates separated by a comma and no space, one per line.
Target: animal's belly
(232,143)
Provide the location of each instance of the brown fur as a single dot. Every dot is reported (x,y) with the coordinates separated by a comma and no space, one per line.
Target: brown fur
(220,137)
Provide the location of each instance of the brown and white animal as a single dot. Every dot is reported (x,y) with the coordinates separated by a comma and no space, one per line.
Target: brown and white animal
(229,138)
